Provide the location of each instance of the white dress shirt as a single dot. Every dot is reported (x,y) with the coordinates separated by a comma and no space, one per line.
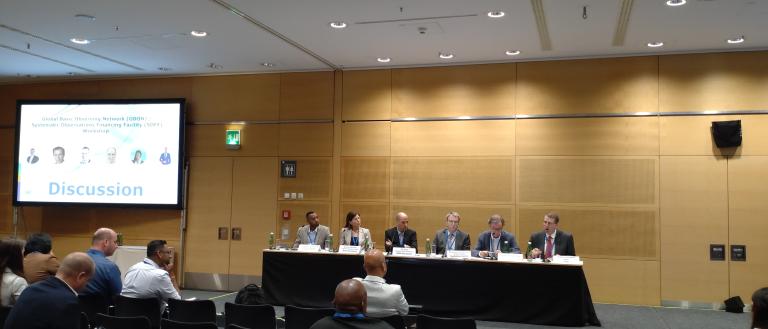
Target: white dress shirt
(383,299)
(147,280)
(12,285)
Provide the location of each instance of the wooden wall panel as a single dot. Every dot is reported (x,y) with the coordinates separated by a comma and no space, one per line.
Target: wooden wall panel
(466,180)
(7,106)
(146,88)
(209,207)
(586,180)
(692,135)
(255,140)
(623,281)
(474,90)
(428,218)
(454,138)
(365,179)
(6,213)
(306,139)
(747,188)
(313,178)
(601,232)
(67,221)
(598,136)
(722,81)
(307,95)
(298,210)
(614,85)
(253,210)
(235,98)
(365,139)
(693,215)
(373,216)
(138,224)
(367,95)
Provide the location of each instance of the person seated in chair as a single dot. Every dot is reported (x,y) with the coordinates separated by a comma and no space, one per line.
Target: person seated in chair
(383,299)
(152,278)
(351,303)
(495,240)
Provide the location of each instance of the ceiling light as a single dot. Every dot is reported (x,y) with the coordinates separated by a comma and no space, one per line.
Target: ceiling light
(215,66)
(512,52)
(675,3)
(383,59)
(338,25)
(267,64)
(496,14)
(84,17)
(164,69)
(409,119)
(735,40)
(198,34)
(464,117)
(446,55)
(655,44)
(80,41)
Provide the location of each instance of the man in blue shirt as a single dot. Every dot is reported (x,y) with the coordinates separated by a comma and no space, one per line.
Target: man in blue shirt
(106,281)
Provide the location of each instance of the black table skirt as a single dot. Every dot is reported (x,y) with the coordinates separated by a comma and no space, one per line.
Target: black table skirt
(542,294)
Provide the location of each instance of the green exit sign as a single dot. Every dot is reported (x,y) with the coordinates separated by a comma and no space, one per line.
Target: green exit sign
(233,139)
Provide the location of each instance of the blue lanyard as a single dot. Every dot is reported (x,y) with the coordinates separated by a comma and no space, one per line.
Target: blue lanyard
(349,315)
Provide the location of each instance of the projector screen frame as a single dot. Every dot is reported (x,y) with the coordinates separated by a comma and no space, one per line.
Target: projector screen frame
(180,163)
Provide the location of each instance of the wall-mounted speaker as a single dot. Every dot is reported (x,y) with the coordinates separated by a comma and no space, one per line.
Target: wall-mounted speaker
(726,133)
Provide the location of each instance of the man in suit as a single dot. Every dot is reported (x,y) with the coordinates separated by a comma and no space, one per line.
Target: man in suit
(552,241)
(451,238)
(351,302)
(495,240)
(383,299)
(39,261)
(32,158)
(400,235)
(312,233)
(53,303)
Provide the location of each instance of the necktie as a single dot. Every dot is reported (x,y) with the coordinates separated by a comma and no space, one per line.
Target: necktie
(400,234)
(548,253)
(451,241)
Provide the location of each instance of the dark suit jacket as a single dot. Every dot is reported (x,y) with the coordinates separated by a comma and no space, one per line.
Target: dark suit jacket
(329,322)
(462,241)
(409,238)
(563,242)
(48,304)
(484,242)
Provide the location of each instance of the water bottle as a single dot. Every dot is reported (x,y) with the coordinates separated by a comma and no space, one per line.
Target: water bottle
(329,243)
(271,240)
(528,251)
(505,247)
(428,248)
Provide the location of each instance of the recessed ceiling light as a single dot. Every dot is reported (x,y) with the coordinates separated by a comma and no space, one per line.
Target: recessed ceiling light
(338,25)
(496,14)
(676,3)
(383,59)
(464,117)
(164,69)
(735,40)
(80,41)
(446,55)
(215,66)
(512,52)
(267,64)
(409,119)
(198,34)
(655,44)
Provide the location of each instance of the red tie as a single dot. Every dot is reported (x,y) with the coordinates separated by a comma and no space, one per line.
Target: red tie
(548,253)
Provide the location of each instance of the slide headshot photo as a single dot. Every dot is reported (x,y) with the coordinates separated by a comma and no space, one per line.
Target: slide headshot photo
(58,155)
(85,155)
(32,158)
(111,155)
(138,157)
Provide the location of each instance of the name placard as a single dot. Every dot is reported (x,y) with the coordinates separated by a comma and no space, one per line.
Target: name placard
(309,247)
(566,259)
(507,257)
(397,251)
(459,254)
(346,249)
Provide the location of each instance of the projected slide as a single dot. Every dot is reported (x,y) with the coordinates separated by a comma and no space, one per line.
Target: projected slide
(99,153)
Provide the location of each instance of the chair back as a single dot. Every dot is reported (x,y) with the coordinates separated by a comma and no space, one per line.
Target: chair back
(303,318)
(234,326)
(92,305)
(191,310)
(250,316)
(170,324)
(121,322)
(147,307)
(396,321)
(4,311)
(424,321)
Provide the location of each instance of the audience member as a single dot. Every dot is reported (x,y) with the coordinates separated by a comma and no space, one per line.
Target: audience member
(52,303)
(12,267)
(400,235)
(451,238)
(39,262)
(152,278)
(106,282)
(760,309)
(354,235)
(313,232)
(552,241)
(494,240)
(350,301)
(383,299)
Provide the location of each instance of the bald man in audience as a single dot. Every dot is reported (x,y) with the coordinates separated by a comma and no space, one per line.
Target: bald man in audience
(52,303)
(351,302)
(106,282)
(383,299)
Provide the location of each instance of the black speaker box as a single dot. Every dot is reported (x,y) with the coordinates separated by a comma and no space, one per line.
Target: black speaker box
(734,305)
(726,133)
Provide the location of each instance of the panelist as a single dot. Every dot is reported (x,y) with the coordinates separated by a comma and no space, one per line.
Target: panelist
(352,234)
(552,241)
(400,235)
(313,232)
(494,240)
(451,238)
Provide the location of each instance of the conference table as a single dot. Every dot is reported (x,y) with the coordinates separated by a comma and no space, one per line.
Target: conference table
(490,290)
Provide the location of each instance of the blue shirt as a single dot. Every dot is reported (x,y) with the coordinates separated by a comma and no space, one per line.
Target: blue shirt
(106,280)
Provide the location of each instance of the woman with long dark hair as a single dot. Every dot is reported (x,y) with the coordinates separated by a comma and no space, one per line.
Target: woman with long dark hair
(12,267)
(760,309)
(353,234)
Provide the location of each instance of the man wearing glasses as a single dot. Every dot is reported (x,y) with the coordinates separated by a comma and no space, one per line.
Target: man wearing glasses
(451,238)
(552,241)
(151,278)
